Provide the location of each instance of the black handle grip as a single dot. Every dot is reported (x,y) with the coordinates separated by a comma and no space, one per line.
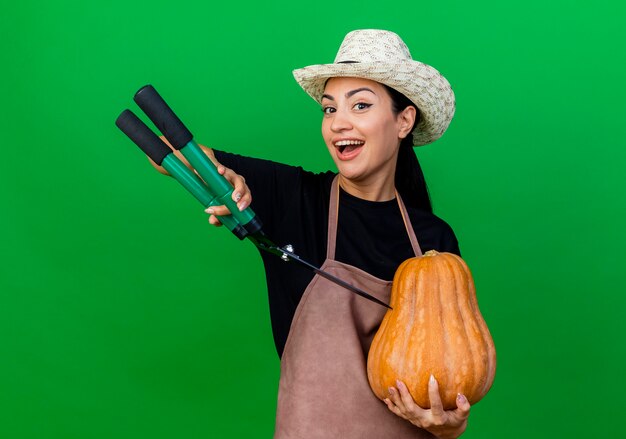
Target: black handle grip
(151,102)
(143,136)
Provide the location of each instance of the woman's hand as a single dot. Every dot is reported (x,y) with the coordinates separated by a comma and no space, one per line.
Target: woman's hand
(241,194)
(445,424)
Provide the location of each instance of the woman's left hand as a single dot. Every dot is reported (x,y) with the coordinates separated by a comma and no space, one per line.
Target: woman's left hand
(445,424)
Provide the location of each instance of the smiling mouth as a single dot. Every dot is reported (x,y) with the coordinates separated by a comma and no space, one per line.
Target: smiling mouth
(348,146)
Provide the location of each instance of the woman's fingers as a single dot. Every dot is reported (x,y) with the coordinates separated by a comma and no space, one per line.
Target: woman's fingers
(167,142)
(214,221)
(407,399)
(394,408)
(241,194)
(396,399)
(462,407)
(402,404)
(436,406)
(216,211)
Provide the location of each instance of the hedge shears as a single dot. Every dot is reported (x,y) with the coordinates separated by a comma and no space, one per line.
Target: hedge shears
(209,187)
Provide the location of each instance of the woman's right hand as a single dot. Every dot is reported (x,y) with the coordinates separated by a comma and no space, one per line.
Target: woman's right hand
(241,194)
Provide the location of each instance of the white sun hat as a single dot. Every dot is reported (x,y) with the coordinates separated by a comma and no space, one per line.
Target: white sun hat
(383,57)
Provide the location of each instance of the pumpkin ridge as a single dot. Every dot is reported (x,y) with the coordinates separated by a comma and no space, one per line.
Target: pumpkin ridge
(400,315)
(422,359)
(430,330)
(404,373)
(465,310)
(419,360)
(461,342)
(444,339)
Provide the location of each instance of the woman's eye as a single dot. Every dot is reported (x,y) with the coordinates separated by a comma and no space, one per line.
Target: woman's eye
(361,106)
(328,110)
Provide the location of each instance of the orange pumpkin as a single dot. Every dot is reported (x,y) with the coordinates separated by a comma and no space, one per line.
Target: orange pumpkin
(435,328)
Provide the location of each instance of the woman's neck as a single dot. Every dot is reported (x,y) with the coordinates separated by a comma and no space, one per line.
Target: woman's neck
(380,189)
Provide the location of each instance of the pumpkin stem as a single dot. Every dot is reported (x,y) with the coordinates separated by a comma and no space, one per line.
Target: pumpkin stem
(431,253)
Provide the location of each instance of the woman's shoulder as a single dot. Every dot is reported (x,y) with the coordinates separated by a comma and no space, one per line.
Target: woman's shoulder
(263,165)
(264,174)
(433,232)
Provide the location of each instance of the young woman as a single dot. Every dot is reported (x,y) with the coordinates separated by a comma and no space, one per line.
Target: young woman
(358,224)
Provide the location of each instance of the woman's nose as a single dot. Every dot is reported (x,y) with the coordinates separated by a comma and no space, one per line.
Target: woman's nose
(340,122)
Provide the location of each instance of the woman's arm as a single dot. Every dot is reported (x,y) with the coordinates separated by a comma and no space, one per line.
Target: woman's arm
(445,424)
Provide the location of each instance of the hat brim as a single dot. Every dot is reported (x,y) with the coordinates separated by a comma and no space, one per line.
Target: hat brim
(419,82)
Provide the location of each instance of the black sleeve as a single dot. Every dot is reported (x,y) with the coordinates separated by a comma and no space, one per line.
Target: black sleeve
(448,242)
(433,233)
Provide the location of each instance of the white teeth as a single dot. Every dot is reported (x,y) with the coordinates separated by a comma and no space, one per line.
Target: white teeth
(349,142)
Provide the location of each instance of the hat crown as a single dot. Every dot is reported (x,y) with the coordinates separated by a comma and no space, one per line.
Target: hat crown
(371,46)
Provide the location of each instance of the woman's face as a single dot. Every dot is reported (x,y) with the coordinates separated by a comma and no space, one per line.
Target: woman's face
(361,131)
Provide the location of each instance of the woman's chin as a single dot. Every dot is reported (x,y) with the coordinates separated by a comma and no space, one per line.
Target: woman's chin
(351,173)
(351,169)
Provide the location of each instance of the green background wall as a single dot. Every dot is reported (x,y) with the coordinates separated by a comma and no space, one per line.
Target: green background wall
(109,331)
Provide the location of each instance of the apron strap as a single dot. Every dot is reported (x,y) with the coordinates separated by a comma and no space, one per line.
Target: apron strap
(333,215)
(407,225)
